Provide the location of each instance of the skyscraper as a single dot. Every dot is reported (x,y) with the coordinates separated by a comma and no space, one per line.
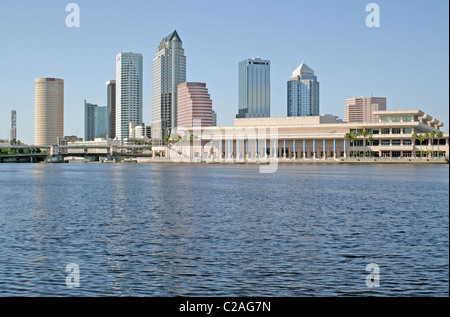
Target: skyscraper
(194,103)
(101,122)
(360,109)
(111,104)
(49,111)
(254,88)
(129,85)
(89,121)
(13,135)
(169,70)
(303,93)
(95,122)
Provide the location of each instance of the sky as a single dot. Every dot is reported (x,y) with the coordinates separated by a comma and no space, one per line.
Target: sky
(405,59)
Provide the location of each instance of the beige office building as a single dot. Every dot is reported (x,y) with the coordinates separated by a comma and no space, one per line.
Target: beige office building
(361,109)
(322,137)
(49,111)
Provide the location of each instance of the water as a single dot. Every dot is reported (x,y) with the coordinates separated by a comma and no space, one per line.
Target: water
(220,230)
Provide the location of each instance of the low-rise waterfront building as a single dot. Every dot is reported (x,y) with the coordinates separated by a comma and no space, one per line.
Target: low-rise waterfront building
(395,134)
(97,146)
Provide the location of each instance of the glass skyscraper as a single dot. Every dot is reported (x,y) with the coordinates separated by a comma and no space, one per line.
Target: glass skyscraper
(254,88)
(95,121)
(129,103)
(303,93)
(169,70)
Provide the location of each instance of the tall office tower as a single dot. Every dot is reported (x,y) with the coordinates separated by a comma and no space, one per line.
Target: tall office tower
(49,111)
(101,122)
(111,104)
(360,109)
(89,121)
(303,93)
(95,122)
(214,118)
(169,70)
(194,103)
(254,88)
(13,135)
(129,84)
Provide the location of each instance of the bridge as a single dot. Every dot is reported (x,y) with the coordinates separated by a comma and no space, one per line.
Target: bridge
(58,153)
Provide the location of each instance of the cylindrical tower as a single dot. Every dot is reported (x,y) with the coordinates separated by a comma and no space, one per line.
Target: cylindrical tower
(49,111)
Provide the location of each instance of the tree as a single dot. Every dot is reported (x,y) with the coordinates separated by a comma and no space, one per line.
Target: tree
(351,136)
(439,136)
(421,138)
(414,137)
(427,137)
(431,135)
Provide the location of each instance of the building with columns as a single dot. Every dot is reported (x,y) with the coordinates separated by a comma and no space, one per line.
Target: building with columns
(321,137)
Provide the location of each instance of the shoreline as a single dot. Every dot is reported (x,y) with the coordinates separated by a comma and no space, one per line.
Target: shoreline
(412,161)
(282,161)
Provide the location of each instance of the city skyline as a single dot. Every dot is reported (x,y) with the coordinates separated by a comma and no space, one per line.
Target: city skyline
(344,73)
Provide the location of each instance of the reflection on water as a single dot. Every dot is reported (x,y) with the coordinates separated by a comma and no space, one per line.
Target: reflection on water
(169,230)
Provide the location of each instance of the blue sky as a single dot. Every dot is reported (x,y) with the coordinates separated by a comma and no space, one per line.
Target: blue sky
(405,60)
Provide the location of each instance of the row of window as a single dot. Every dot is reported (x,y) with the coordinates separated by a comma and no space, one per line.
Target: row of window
(396,119)
(385,130)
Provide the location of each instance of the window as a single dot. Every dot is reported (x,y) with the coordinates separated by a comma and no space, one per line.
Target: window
(407,153)
(396,142)
(407,130)
(375,131)
(407,119)
(385,119)
(407,142)
(359,142)
(396,153)
(385,142)
(396,119)
(385,131)
(396,130)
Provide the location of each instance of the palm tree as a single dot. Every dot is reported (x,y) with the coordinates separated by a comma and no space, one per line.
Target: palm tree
(414,137)
(427,137)
(439,136)
(351,136)
(166,138)
(369,135)
(421,138)
(432,134)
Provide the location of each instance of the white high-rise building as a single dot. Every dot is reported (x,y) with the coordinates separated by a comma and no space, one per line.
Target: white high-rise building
(169,70)
(129,91)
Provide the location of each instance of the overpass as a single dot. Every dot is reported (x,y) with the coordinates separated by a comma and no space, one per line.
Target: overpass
(58,153)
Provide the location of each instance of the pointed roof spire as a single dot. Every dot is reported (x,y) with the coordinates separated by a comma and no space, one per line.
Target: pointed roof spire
(303,70)
(173,37)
